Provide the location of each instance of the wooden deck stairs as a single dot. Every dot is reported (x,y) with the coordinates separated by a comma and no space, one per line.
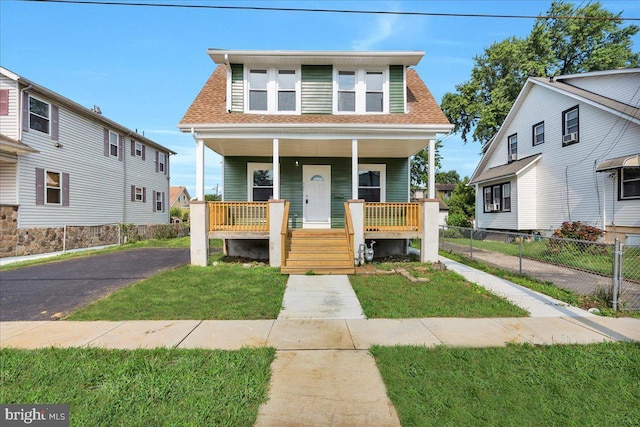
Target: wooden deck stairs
(317,251)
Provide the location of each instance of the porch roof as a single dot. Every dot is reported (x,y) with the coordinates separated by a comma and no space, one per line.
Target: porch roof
(11,145)
(503,171)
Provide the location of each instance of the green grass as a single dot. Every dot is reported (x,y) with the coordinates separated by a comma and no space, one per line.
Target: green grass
(157,387)
(589,257)
(518,385)
(447,294)
(546,287)
(179,242)
(226,291)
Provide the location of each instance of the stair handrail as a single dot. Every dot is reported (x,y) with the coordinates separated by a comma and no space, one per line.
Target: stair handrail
(348,227)
(284,232)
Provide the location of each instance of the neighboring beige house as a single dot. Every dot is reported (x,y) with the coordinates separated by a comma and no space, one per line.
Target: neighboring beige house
(316,149)
(179,197)
(62,165)
(443,192)
(569,150)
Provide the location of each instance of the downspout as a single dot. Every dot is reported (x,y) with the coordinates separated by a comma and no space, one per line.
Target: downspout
(18,171)
(20,109)
(228,65)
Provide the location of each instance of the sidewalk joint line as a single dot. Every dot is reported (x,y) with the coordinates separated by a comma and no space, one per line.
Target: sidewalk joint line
(189,333)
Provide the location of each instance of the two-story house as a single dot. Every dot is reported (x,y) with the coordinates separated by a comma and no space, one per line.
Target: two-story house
(315,129)
(569,150)
(62,164)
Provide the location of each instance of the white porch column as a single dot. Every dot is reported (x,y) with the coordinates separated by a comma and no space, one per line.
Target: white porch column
(432,169)
(276,169)
(354,169)
(199,218)
(200,170)
(429,240)
(276,213)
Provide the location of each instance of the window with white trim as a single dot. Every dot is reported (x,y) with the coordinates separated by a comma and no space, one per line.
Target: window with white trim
(361,91)
(497,198)
(161,162)
(159,201)
(273,91)
(538,133)
(139,194)
(629,183)
(138,149)
(39,115)
(53,189)
(260,181)
(113,144)
(371,182)
(513,147)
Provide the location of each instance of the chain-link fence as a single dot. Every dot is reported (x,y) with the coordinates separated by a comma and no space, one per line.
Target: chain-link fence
(610,272)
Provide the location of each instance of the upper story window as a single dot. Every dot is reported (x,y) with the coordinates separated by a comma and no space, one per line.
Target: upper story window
(273,90)
(39,115)
(513,147)
(570,126)
(161,162)
(138,149)
(538,133)
(361,91)
(113,144)
(629,183)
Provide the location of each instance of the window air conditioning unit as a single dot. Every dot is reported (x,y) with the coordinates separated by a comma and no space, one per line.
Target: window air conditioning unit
(496,206)
(571,137)
(513,157)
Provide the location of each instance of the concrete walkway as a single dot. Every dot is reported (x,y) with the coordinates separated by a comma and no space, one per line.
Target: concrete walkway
(323,373)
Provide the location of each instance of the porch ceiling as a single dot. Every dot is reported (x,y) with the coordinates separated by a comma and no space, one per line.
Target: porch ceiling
(389,148)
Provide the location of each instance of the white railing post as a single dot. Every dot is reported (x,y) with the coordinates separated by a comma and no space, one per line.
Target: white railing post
(357,217)
(199,217)
(276,212)
(429,239)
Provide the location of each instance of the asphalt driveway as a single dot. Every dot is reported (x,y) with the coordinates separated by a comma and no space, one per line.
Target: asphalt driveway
(51,290)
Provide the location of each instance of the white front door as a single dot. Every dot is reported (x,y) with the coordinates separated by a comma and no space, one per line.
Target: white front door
(316,196)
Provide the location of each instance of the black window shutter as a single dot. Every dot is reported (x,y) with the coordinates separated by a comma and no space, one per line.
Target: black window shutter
(144,194)
(39,186)
(157,160)
(143,151)
(166,164)
(106,142)
(163,202)
(55,125)
(153,205)
(120,147)
(133,147)
(133,193)
(65,189)
(25,111)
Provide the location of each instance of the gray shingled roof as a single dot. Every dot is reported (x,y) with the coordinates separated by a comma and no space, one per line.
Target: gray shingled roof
(509,169)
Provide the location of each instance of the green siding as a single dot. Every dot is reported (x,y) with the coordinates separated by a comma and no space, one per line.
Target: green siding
(396,89)
(237,88)
(317,89)
(235,181)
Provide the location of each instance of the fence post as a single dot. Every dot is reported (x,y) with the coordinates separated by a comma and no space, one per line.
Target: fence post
(521,239)
(614,285)
(471,244)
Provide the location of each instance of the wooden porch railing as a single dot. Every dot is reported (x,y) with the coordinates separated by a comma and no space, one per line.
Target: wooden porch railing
(239,216)
(348,226)
(393,217)
(284,233)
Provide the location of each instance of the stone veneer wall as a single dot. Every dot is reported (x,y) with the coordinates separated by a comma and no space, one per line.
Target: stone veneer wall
(16,241)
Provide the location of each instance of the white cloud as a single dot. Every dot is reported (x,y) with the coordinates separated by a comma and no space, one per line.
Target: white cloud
(383,29)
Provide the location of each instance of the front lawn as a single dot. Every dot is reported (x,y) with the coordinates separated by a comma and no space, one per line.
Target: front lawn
(446,294)
(157,387)
(225,292)
(518,385)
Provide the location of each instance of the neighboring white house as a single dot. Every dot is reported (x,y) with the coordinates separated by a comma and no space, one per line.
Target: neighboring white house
(569,150)
(62,164)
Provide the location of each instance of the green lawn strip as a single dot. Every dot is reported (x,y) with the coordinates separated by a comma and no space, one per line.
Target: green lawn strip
(547,288)
(588,257)
(159,387)
(447,294)
(179,242)
(228,291)
(518,385)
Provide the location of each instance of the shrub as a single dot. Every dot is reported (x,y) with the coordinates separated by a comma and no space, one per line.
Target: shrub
(578,231)
(459,220)
(452,233)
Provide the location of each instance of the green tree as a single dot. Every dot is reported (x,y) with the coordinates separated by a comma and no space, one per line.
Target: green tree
(462,204)
(556,45)
(448,177)
(212,197)
(420,166)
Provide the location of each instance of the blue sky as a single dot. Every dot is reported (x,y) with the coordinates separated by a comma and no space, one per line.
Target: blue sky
(143,66)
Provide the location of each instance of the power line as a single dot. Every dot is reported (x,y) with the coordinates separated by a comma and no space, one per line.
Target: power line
(351,11)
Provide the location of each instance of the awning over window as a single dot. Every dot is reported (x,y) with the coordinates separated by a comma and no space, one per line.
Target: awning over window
(632,161)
